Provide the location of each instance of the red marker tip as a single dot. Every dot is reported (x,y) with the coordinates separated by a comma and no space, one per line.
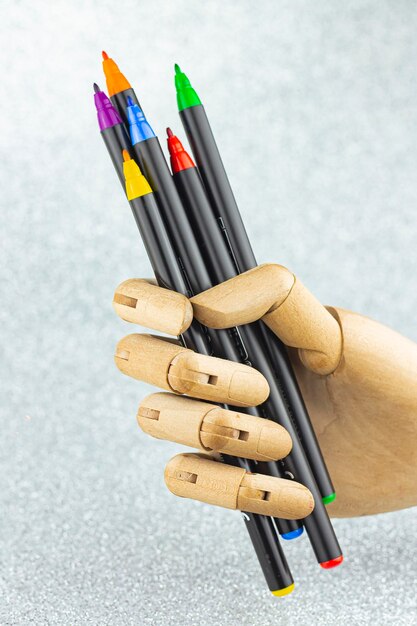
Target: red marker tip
(104,55)
(180,159)
(126,155)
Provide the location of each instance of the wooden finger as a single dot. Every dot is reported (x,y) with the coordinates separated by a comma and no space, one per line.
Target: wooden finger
(142,302)
(168,365)
(272,293)
(201,478)
(211,428)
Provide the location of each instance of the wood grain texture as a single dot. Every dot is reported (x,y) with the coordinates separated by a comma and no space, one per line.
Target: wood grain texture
(164,363)
(201,478)
(358,379)
(141,302)
(271,293)
(208,427)
(365,416)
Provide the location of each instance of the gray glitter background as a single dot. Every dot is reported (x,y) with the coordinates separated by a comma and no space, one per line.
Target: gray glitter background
(324,95)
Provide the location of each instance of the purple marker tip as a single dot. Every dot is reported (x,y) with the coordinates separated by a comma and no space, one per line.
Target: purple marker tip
(106,113)
(96,88)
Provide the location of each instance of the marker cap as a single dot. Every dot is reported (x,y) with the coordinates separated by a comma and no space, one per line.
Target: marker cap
(180,159)
(139,128)
(186,95)
(330,498)
(283,592)
(332,563)
(293,534)
(115,80)
(136,183)
(106,113)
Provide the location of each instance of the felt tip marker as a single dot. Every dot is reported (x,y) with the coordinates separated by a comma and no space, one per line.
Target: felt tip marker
(139,127)
(180,159)
(186,94)
(136,184)
(212,243)
(224,344)
(118,86)
(115,80)
(169,274)
(112,130)
(224,206)
(106,113)
(148,154)
(210,238)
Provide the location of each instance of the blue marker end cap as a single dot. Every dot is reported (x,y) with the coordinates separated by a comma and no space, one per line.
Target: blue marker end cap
(293,534)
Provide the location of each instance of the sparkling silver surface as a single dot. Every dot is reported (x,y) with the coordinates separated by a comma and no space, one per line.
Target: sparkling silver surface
(314,107)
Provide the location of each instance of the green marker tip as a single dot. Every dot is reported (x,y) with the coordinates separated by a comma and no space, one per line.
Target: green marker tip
(186,95)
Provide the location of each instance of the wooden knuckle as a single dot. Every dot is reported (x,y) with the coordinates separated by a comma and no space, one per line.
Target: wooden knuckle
(303,322)
(319,362)
(210,428)
(211,378)
(147,358)
(243,298)
(174,418)
(278,497)
(244,435)
(142,302)
(199,477)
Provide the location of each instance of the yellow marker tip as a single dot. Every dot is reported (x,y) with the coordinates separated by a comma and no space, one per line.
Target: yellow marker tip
(126,155)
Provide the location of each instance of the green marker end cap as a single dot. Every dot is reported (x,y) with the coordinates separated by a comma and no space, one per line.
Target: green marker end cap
(186,95)
(330,498)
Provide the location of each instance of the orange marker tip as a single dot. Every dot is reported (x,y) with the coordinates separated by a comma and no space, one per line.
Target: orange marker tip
(169,132)
(126,155)
(104,55)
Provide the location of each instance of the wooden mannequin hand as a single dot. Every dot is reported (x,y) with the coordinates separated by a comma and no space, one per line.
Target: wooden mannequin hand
(358,378)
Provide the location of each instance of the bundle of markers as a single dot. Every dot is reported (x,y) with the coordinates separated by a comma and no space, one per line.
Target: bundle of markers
(195,238)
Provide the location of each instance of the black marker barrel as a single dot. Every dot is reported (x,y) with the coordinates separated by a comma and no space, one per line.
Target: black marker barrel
(169,274)
(209,237)
(223,203)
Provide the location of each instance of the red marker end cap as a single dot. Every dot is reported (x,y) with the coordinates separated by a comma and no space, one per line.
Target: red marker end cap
(332,563)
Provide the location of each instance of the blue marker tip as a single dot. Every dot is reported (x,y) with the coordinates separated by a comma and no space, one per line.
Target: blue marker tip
(293,534)
(139,127)
(129,101)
